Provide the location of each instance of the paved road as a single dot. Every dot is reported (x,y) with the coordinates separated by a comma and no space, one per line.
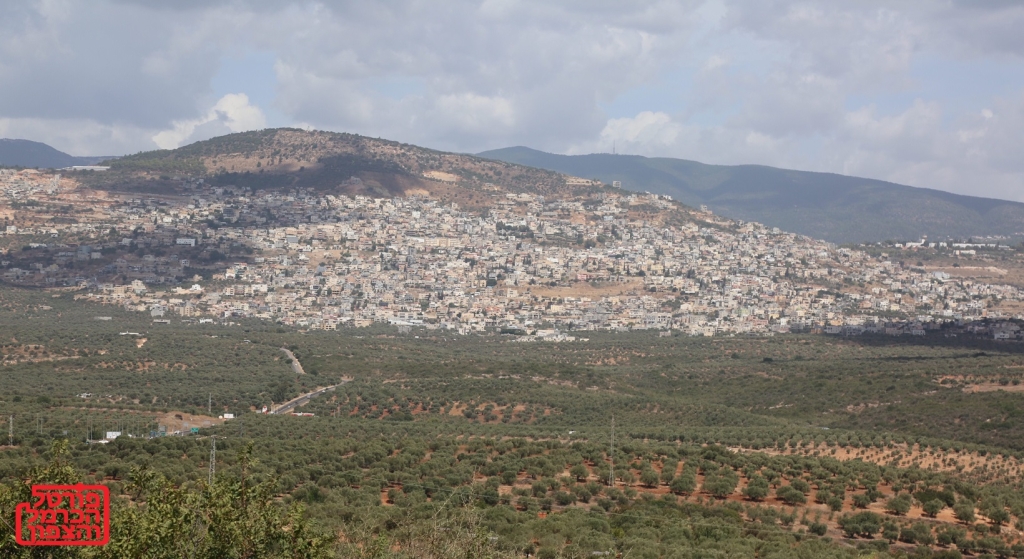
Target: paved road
(290,405)
(296,366)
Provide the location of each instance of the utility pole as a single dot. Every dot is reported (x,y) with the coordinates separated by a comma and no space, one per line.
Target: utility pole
(213,458)
(611,456)
(209,404)
(10,432)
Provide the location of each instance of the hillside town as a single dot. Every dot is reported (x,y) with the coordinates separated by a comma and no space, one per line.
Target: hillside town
(541,269)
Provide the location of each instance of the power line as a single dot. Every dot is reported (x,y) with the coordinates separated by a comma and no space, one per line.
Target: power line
(213,457)
(611,456)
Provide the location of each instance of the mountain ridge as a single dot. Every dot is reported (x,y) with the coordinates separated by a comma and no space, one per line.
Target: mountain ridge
(286,158)
(834,207)
(827,206)
(28,153)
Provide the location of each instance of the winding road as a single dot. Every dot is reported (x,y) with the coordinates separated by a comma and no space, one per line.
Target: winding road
(290,405)
(296,366)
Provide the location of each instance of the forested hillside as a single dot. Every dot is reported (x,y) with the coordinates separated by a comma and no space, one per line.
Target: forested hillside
(328,162)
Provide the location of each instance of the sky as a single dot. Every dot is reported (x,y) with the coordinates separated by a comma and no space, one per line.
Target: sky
(926,93)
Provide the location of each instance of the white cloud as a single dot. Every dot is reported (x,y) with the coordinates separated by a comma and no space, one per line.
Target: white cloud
(232,113)
(646,133)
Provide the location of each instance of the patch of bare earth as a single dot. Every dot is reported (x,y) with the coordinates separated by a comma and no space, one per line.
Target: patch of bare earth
(181,421)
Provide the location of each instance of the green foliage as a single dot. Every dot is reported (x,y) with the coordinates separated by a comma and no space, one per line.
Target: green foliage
(57,471)
(964,511)
(862,524)
(720,483)
(791,496)
(159,161)
(579,471)
(933,507)
(756,489)
(481,425)
(919,533)
(683,484)
(235,517)
(890,531)
(995,511)
(899,505)
(649,478)
(949,535)
(835,503)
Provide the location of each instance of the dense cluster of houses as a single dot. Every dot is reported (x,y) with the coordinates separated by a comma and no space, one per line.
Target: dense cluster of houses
(530,266)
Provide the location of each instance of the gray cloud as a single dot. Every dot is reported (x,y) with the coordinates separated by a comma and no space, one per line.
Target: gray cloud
(490,73)
(824,85)
(98,63)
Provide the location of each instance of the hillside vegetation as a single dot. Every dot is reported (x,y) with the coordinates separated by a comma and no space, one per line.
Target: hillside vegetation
(826,206)
(327,162)
(764,447)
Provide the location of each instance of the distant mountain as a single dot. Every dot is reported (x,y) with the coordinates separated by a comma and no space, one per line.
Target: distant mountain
(823,205)
(26,153)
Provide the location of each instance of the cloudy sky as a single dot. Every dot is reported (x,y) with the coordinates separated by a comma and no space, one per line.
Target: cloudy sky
(929,93)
